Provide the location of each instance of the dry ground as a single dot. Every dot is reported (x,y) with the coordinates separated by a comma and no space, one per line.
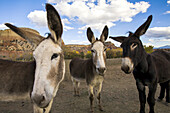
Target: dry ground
(119,95)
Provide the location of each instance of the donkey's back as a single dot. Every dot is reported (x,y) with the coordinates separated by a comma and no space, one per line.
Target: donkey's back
(162,63)
(78,67)
(16,78)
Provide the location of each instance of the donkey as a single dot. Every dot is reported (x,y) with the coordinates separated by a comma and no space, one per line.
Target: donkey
(148,69)
(93,69)
(40,78)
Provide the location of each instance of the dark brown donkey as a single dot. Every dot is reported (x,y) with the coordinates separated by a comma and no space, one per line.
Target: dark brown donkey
(39,78)
(148,69)
(92,70)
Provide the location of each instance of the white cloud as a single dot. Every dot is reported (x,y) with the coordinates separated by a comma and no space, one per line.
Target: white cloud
(167,12)
(39,18)
(88,13)
(80,32)
(93,13)
(159,40)
(158,36)
(65,20)
(78,42)
(116,43)
(159,32)
(147,44)
(66,28)
(168,1)
(3,26)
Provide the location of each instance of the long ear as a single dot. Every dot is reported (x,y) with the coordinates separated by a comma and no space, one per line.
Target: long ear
(104,34)
(119,38)
(31,37)
(54,23)
(90,35)
(143,28)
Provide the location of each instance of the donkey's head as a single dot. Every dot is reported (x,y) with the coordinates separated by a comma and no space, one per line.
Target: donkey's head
(133,50)
(50,65)
(98,50)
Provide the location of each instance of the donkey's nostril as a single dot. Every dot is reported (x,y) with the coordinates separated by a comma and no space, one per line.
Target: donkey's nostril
(38,99)
(101,70)
(125,69)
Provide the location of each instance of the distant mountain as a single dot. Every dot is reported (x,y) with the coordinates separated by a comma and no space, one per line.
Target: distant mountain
(163,47)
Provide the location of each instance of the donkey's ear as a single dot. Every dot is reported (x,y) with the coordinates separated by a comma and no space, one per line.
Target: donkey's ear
(119,38)
(31,37)
(90,35)
(104,34)
(54,23)
(143,28)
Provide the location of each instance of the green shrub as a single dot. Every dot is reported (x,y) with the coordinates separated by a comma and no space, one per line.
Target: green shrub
(109,54)
(114,53)
(88,54)
(71,54)
(148,49)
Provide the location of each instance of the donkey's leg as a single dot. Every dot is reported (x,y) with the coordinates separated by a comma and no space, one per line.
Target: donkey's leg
(151,96)
(162,92)
(37,109)
(48,109)
(91,97)
(99,96)
(142,96)
(74,85)
(78,89)
(168,92)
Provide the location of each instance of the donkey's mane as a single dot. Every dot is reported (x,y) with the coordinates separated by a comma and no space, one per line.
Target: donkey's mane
(49,36)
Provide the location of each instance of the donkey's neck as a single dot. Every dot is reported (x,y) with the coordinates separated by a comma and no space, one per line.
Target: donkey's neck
(142,66)
(91,66)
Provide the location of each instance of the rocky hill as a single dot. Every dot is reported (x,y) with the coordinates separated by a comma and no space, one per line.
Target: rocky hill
(12,46)
(10,41)
(85,48)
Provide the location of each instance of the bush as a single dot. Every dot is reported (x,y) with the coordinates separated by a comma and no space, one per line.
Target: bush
(148,49)
(88,54)
(82,54)
(109,53)
(114,53)
(71,54)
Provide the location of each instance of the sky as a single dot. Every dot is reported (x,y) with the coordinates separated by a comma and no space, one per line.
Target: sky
(120,16)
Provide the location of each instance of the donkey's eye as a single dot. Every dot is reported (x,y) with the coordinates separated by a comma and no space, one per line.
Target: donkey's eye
(121,45)
(105,49)
(134,45)
(92,51)
(55,55)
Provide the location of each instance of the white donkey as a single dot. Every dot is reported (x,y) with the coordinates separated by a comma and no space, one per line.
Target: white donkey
(39,78)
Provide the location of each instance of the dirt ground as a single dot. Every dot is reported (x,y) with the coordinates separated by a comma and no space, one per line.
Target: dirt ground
(119,95)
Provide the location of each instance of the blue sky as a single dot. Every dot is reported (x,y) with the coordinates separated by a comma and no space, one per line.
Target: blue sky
(121,16)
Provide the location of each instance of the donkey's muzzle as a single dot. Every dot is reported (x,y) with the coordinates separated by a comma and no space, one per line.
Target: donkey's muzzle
(126,69)
(40,100)
(101,71)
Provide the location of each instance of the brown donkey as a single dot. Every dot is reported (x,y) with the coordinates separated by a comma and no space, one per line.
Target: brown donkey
(92,70)
(39,78)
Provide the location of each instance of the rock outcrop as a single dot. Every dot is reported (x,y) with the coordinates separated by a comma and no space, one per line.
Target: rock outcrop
(10,41)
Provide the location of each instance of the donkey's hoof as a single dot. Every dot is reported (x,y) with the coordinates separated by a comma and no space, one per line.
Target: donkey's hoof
(167,104)
(159,100)
(91,111)
(101,108)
